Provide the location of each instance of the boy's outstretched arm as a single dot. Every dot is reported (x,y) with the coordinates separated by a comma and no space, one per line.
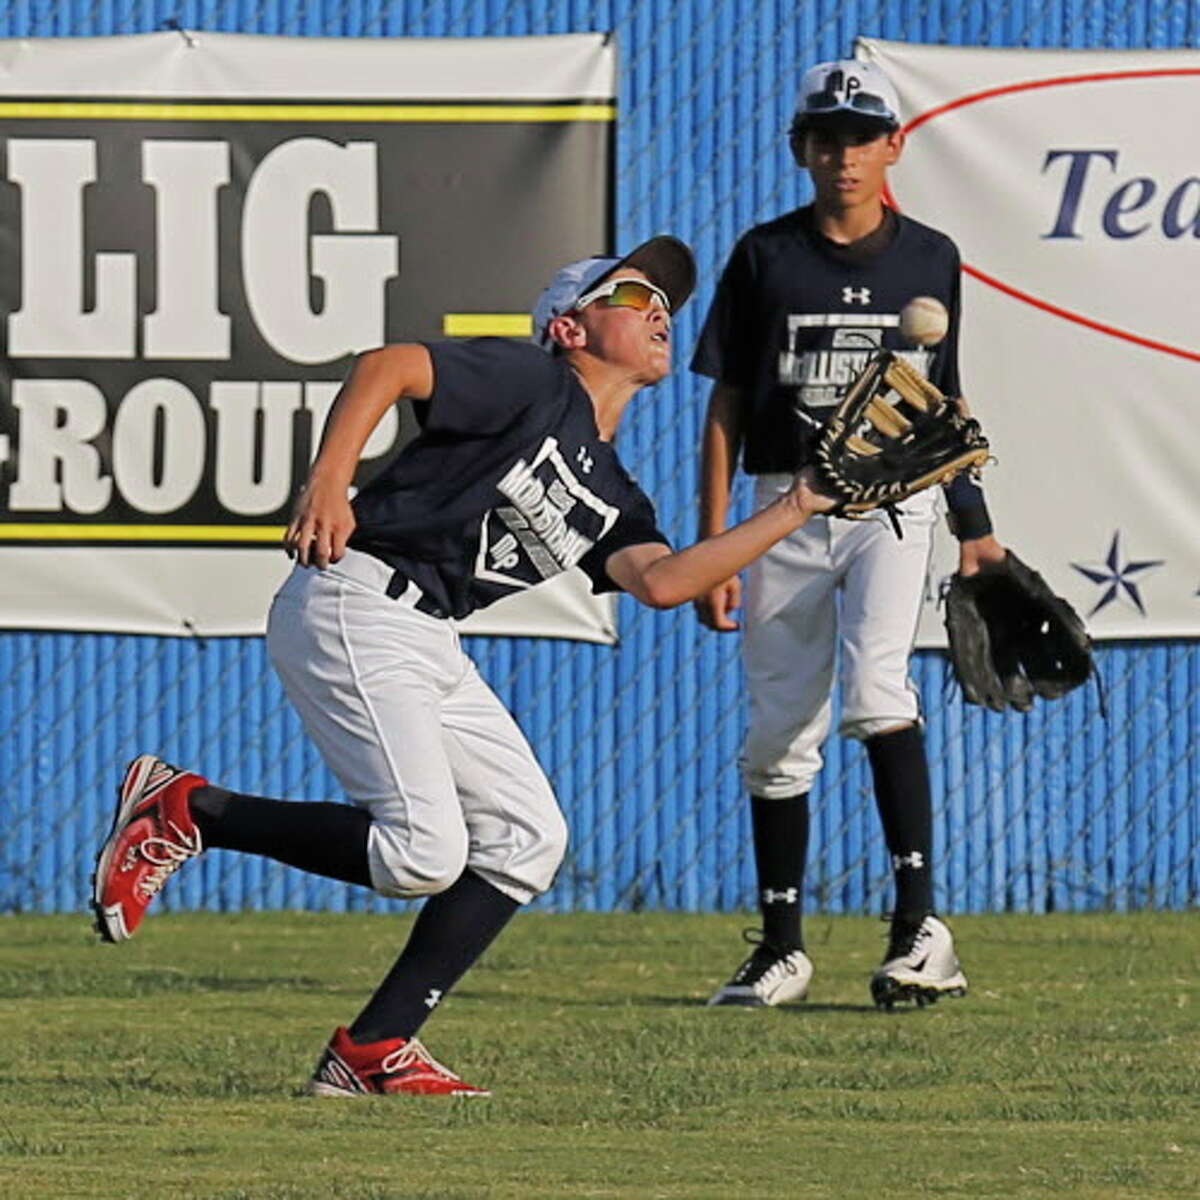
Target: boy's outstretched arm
(662,578)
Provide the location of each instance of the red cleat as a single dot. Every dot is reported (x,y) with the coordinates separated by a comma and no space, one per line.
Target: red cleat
(153,835)
(397,1066)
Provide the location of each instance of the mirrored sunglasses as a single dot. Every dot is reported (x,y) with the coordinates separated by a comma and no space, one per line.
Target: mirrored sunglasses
(625,293)
(864,102)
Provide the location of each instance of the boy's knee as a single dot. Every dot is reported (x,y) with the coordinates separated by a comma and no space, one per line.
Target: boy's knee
(528,873)
(401,871)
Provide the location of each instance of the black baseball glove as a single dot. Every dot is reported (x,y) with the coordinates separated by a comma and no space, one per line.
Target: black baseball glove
(893,434)
(1012,638)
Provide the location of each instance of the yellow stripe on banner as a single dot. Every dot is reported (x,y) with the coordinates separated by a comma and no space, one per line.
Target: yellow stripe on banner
(64,110)
(487,325)
(141,533)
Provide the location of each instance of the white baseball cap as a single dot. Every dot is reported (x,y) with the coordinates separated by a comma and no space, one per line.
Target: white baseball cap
(847,92)
(664,260)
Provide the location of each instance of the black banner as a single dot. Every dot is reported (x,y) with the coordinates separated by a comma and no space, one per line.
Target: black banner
(185,284)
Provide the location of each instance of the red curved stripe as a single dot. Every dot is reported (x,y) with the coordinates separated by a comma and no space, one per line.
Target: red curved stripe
(1030,85)
(1067,315)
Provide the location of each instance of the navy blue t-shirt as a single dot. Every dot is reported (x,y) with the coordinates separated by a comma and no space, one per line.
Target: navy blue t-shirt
(795,317)
(507,485)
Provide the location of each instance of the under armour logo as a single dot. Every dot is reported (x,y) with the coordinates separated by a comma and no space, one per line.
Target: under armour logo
(916,860)
(431,1001)
(856,295)
(584,459)
(787,896)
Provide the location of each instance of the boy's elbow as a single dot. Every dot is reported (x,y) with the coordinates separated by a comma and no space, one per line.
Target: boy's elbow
(661,593)
(651,575)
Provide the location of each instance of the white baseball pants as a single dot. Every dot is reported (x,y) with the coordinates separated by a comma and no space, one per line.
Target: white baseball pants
(793,625)
(413,734)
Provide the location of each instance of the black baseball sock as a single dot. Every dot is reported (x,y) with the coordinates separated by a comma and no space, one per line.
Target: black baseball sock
(323,839)
(902,794)
(451,931)
(780,850)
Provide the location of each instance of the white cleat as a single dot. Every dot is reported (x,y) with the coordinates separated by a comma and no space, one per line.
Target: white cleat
(768,977)
(920,966)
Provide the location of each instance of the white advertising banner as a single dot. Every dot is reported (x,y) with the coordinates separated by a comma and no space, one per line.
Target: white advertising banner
(1071,183)
(198,232)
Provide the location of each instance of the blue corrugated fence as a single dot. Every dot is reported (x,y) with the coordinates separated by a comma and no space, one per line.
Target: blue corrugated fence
(1056,810)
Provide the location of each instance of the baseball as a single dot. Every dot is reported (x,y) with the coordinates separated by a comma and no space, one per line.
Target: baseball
(924,321)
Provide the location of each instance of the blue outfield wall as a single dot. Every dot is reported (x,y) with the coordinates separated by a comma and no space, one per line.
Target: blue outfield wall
(1062,809)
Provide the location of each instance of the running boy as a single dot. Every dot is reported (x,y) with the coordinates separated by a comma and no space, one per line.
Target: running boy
(513,479)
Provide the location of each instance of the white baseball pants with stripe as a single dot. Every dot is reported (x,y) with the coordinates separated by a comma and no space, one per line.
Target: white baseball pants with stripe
(832,580)
(413,734)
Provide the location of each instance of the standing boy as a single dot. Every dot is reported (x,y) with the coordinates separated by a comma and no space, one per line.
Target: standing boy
(512,480)
(803,302)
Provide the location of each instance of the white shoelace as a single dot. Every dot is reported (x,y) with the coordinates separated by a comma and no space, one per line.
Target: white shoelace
(413,1053)
(923,933)
(166,856)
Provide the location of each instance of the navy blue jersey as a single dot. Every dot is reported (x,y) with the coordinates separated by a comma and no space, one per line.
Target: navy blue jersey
(796,316)
(507,485)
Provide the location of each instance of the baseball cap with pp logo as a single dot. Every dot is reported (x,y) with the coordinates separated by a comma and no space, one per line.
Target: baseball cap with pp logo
(846,92)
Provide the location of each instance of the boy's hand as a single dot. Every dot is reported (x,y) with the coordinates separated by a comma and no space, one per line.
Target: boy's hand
(806,494)
(714,608)
(322,523)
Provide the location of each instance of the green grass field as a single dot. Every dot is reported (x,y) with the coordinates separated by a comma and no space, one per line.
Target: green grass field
(172,1065)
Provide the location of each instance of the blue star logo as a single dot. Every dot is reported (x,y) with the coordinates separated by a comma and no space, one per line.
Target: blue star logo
(1117,578)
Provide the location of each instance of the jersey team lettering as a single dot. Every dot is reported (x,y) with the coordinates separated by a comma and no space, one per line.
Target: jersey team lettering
(551,521)
(822,376)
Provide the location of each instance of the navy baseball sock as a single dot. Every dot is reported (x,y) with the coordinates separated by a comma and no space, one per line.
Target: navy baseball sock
(323,839)
(902,794)
(780,850)
(450,933)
